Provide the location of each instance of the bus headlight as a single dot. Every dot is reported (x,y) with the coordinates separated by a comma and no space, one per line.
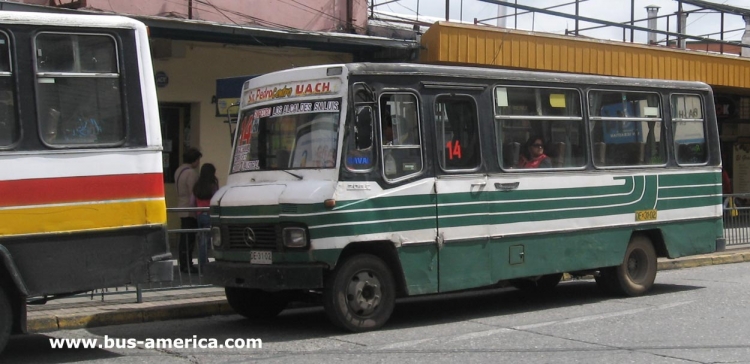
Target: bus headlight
(216,236)
(295,237)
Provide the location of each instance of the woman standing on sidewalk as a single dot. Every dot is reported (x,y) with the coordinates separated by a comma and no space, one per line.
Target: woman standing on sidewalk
(203,190)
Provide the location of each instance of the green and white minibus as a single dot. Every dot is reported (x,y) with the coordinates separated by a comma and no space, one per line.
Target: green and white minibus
(362,183)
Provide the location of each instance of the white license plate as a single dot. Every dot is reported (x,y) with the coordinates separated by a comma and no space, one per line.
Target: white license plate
(261,257)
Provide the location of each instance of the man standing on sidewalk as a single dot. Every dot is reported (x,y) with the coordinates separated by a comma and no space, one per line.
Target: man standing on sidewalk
(184,178)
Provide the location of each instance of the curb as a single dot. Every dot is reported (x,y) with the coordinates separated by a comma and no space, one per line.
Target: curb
(219,306)
(129,316)
(704,261)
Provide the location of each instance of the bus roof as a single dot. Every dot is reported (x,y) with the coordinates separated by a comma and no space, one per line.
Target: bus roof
(73,20)
(483,73)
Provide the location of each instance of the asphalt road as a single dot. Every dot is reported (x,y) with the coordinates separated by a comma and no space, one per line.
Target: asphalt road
(698,315)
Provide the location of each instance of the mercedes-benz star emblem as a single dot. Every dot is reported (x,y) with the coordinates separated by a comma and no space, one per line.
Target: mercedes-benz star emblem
(249,236)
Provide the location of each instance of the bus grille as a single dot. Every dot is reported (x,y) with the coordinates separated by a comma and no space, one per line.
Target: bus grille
(267,237)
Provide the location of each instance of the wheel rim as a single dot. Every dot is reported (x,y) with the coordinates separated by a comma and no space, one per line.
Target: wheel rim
(637,265)
(363,293)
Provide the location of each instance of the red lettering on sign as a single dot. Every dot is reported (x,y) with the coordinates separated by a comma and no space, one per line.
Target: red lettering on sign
(247,130)
(454,150)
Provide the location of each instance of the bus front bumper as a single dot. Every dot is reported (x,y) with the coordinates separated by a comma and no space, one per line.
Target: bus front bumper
(275,277)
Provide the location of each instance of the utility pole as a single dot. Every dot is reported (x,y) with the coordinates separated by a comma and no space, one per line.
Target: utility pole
(190,9)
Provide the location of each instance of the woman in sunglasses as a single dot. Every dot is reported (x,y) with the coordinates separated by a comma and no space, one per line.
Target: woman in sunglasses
(533,156)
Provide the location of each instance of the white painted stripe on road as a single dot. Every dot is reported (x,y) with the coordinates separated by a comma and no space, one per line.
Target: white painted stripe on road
(479,334)
(406,344)
(503,330)
(601,316)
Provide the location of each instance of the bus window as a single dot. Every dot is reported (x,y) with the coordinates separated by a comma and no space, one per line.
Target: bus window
(627,128)
(358,141)
(688,128)
(78,90)
(547,119)
(402,151)
(9,129)
(457,125)
(293,135)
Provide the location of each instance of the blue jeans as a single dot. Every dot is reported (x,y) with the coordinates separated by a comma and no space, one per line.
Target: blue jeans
(204,221)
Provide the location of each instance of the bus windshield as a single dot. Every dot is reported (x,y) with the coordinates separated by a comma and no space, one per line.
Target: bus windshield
(295,135)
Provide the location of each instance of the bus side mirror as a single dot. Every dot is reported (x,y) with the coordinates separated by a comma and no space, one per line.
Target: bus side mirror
(363,124)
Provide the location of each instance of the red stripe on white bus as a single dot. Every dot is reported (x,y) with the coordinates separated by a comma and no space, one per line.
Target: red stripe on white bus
(44,191)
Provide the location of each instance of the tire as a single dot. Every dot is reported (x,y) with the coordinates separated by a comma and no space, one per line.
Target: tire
(6,318)
(360,294)
(545,283)
(256,304)
(636,275)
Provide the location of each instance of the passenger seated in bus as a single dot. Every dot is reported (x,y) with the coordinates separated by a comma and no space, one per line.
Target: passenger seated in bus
(533,155)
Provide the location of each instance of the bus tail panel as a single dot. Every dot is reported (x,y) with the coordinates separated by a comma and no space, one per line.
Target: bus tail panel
(67,263)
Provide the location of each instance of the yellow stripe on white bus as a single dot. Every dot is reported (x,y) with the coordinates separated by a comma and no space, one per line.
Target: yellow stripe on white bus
(85,216)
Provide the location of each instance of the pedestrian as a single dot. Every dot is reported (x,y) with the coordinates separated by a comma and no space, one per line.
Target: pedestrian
(203,190)
(185,178)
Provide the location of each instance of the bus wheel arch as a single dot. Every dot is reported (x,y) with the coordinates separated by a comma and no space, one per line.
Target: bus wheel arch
(12,301)
(657,240)
(14,290)
(384,250)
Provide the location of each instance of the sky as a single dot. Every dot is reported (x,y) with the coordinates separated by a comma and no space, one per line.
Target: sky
(610,10)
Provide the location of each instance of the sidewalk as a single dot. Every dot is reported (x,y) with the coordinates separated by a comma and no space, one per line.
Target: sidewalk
(193,302)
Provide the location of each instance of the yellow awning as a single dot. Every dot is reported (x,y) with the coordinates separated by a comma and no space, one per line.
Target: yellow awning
(450,43)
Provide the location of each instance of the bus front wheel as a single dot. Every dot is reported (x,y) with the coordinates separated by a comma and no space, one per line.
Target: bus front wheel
(6,318)
(360,294)
(636,274)
(255,303)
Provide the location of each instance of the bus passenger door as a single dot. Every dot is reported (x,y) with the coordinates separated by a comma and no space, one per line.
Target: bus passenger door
(461,186)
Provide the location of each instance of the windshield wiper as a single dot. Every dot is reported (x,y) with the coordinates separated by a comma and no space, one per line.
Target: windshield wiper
(293,174)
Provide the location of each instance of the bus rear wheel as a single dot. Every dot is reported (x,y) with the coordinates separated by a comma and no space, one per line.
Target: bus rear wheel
(6,318)
(360,294)
(636,274)
(255,303)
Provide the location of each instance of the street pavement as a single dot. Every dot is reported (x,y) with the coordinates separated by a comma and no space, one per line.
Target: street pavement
(117,308)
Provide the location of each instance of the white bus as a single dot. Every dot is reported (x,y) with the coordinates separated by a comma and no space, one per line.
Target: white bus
(437,179)
(80,160)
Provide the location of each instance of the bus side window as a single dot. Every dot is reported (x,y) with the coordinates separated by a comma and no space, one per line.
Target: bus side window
(9,129)
(400,135)
(358,141)
(539,127)
(688,129)
(628,126)
(78,95)
(456,117)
